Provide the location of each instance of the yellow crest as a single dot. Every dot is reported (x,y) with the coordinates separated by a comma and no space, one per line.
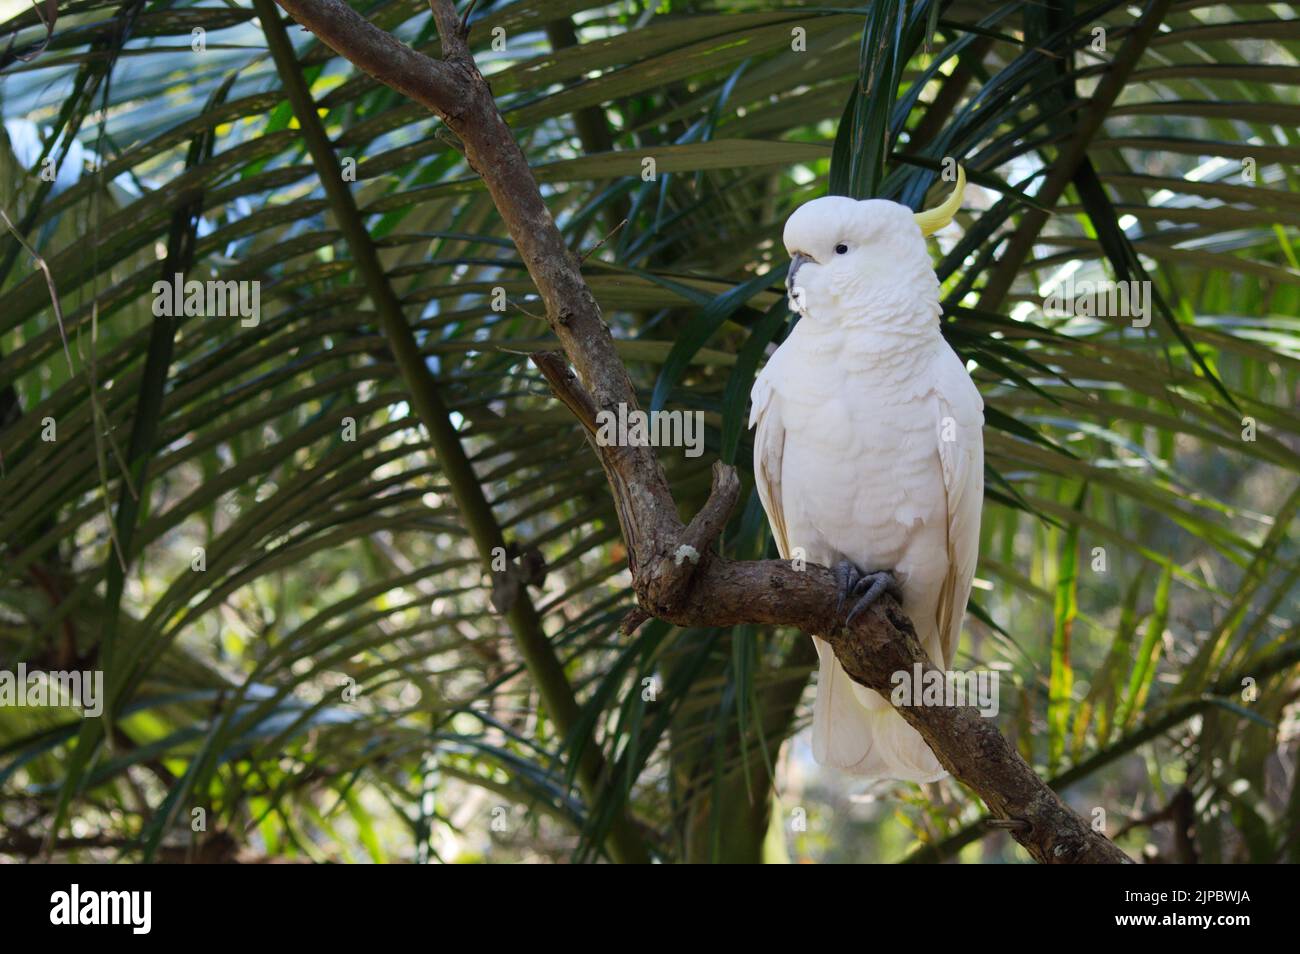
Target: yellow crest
(932,220)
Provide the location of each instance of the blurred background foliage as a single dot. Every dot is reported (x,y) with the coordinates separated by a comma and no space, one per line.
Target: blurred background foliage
(249,531)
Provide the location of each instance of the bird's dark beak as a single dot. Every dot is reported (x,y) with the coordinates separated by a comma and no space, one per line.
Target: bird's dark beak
(796,260)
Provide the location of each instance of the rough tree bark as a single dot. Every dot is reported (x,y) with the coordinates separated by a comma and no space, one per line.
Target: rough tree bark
(676,576)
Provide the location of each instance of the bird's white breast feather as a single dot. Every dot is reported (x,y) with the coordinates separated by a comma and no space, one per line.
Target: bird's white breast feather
(881,465)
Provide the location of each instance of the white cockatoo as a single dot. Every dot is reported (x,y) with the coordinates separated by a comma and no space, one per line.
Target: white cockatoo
(869,456)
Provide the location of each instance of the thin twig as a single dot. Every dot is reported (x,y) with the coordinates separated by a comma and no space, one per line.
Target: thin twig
(596,248)
(516,304)
(464,21)
(97,416)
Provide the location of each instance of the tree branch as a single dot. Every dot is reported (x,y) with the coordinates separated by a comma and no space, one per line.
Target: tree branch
(700,589)
(433,85)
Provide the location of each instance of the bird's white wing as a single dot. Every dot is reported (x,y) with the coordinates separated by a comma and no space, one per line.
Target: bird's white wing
(769,450)
(961,454)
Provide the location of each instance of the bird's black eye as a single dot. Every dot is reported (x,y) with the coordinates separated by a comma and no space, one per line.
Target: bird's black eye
(841,249)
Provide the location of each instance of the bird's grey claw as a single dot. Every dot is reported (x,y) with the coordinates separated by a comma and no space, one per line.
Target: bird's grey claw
(846,578)
(868,587)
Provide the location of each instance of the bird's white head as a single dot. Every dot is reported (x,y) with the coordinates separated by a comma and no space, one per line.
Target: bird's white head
(860,262)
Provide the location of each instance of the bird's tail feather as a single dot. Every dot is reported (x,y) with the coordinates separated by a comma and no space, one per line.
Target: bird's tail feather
(858,731)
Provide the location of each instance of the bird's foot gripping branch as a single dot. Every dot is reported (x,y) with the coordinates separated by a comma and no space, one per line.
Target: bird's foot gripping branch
(676,574)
